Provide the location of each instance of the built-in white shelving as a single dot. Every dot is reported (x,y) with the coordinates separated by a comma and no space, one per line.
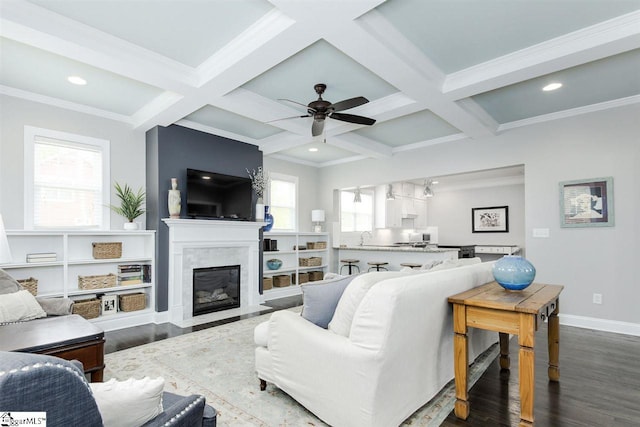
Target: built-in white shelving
(74,258)
(289,253)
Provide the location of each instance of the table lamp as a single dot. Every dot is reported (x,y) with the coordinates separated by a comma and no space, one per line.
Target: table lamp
(317,216)
(5,253)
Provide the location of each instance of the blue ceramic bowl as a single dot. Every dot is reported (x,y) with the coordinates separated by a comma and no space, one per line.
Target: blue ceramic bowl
(274,264)
(514,273)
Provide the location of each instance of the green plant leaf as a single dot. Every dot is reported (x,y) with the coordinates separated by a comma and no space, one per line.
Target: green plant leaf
(131,203)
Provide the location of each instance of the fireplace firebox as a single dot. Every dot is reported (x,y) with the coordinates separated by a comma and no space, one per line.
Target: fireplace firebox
(216,289)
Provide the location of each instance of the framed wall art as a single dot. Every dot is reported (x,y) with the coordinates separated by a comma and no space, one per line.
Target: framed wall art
(109,304)
(490,220)
(587,203)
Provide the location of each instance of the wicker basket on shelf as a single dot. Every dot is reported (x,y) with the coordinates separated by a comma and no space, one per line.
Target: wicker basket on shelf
(267,283)
(281,280)
(313,261)
(30,284)
(133,302)
(97,282)
(316,245)
(315,275)
(107,250)
(88,308)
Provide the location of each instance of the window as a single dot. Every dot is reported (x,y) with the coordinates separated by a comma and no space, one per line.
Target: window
(356,216)
(66,180)
(283,205)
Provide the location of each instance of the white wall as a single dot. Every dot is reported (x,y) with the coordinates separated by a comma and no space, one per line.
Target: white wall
(450,211)
(127,151)
(307,188)
(584,260)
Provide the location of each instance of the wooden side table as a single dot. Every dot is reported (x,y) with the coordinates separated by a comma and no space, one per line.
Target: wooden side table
(519,313)
(68,337)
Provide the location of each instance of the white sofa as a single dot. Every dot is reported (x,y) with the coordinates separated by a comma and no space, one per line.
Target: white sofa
(397,355)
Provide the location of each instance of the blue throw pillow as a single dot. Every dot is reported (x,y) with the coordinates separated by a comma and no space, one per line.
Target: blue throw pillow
(319,300)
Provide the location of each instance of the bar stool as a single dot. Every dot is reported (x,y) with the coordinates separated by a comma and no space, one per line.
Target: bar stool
(350,263)
(410,264)
(378,265)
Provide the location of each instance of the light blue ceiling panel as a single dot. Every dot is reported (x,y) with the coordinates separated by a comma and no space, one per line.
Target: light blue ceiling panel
(231,122)
(416,127)
(325,153)
(295,77)
(599,81)
(187,31)
(456,34)
(44,73)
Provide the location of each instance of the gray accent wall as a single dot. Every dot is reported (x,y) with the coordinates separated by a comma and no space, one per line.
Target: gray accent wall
(169,152)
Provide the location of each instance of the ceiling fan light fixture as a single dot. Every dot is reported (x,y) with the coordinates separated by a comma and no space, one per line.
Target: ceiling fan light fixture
(552,86)
(357,198)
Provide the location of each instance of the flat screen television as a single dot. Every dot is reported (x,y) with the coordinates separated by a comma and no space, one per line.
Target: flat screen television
(216,196)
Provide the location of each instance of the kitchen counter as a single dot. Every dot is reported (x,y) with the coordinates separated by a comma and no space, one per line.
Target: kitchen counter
(393,248)
(395,255)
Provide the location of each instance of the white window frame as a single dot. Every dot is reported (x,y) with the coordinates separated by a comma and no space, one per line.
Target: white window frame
(288,178)
(30,133)
(373,210)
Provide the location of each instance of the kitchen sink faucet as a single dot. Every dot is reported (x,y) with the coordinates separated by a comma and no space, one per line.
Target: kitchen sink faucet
(362,236)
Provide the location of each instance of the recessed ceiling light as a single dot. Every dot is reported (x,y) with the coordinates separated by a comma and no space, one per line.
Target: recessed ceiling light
(313,149)
(206,177)
(77,80)
(552,86)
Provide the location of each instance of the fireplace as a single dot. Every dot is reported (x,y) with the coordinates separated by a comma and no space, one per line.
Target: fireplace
(215,289)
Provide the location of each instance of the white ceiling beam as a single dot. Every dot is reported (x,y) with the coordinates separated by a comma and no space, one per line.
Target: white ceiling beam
(79,42)
(407,74)
(359,144)
(598,41)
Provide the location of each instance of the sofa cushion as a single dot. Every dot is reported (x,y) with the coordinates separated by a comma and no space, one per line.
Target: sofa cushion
(261,334)
(319,300)
(8,284)
(352,296)
(455,263)
(129,403)
(19,306)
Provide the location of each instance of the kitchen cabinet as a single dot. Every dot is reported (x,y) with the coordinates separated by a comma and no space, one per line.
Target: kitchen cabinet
(408,189)
(388,213)
(420,221)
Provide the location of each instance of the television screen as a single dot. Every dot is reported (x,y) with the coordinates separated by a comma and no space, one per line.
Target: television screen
(214,195)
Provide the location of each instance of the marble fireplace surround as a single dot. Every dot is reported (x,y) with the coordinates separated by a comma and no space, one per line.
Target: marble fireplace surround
(197,243)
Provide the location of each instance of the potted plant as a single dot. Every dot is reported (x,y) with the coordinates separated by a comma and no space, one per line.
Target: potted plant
(130,204)
(259,182)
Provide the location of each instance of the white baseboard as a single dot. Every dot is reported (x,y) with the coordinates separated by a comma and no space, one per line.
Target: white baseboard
(600,324)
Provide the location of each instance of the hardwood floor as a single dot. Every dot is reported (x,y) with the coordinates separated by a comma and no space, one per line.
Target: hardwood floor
(599,384)
(144,334)
(599,377)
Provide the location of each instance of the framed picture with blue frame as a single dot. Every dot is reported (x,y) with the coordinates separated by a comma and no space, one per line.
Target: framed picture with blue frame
(587,203)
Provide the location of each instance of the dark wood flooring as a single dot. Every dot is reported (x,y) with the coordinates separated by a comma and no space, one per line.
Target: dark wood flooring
(144,334)
(599,377)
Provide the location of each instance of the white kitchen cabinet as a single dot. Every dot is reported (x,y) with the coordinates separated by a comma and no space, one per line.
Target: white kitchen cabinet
(388,213)
(289,253)
(408,189)
(420,220)
(74,257)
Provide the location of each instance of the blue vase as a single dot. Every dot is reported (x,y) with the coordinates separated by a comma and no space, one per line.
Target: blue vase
(268,218)
(513,272)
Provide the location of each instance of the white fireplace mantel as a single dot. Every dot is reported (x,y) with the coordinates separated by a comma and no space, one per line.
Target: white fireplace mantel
(195,243)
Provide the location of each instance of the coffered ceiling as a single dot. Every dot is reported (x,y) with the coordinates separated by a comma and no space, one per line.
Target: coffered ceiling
(434,71)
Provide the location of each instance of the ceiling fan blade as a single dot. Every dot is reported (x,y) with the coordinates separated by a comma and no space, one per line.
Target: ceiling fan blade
(287,118)
(352,118)
(349,103)
(317,127)
(296,104)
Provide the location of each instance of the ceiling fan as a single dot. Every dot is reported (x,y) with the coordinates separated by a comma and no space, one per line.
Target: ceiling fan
(321,109)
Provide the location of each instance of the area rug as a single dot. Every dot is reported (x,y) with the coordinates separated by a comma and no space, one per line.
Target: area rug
(219,364)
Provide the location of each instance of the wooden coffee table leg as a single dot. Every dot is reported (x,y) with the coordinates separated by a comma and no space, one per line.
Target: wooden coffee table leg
(505,361)
(554,345)
(526,339)
(460,360)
